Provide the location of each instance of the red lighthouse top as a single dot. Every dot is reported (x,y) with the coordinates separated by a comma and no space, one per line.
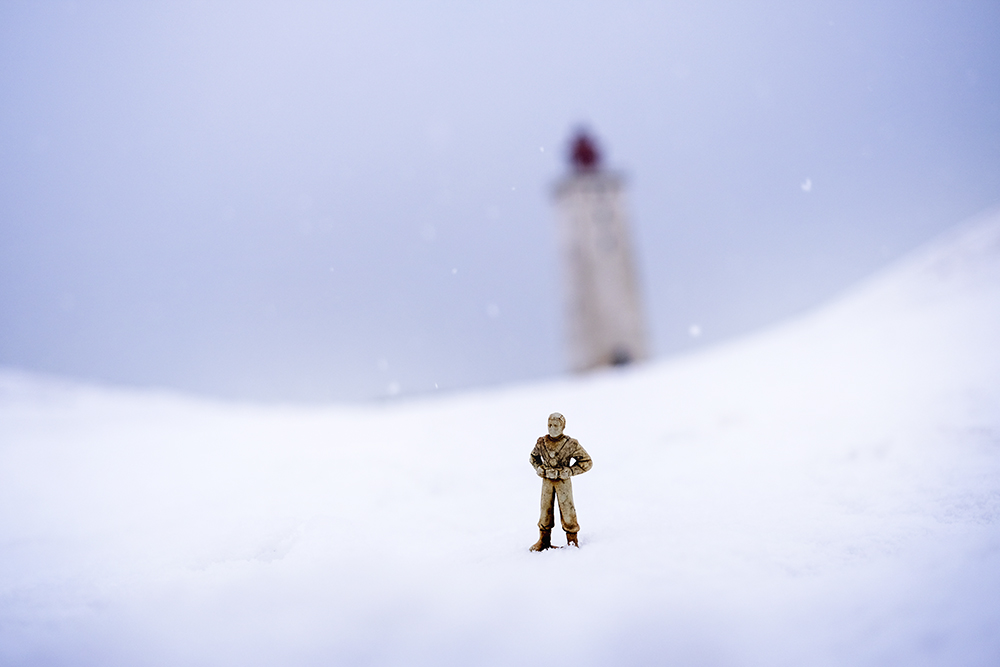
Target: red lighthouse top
(583,154)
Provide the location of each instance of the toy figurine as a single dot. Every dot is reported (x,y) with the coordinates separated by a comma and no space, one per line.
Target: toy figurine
(556,458)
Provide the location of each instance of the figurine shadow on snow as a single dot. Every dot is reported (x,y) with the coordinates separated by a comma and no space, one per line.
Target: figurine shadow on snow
(556,458)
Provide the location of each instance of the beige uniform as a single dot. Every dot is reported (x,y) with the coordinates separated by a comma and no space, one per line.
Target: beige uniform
(555,461)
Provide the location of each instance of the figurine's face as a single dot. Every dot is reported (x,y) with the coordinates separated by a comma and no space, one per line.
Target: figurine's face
(555,427)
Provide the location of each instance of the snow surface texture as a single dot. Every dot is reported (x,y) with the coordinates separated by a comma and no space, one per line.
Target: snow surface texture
(825,493)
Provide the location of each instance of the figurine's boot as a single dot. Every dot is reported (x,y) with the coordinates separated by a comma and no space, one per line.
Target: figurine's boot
(544,541)
(571,540)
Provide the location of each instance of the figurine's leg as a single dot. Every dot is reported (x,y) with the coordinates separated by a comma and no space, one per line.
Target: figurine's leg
(567,511)
(547,519)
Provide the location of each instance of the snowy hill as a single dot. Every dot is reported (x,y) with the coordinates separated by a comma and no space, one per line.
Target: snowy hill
(824,493)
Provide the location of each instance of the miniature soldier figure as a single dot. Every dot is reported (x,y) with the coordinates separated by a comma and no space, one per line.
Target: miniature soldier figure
(556,458)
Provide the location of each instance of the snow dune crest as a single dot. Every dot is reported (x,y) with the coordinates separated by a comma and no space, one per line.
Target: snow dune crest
(825,492)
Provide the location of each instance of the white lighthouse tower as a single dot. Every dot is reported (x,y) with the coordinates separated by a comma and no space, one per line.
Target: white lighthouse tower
(605,323)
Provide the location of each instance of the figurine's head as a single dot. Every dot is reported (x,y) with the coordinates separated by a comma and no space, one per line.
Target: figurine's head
(556,425)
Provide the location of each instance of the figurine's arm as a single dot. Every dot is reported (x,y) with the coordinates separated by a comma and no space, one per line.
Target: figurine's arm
(537,461)
(583,463)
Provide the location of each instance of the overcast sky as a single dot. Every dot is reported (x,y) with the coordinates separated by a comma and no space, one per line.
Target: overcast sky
(340,201)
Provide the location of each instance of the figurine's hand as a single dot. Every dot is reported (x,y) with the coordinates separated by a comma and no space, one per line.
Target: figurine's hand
(565,473)
(540,471)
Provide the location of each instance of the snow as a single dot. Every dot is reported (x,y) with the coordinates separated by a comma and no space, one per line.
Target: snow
(823,493)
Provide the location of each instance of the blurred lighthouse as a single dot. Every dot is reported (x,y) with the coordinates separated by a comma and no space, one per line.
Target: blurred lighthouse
(605,323)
